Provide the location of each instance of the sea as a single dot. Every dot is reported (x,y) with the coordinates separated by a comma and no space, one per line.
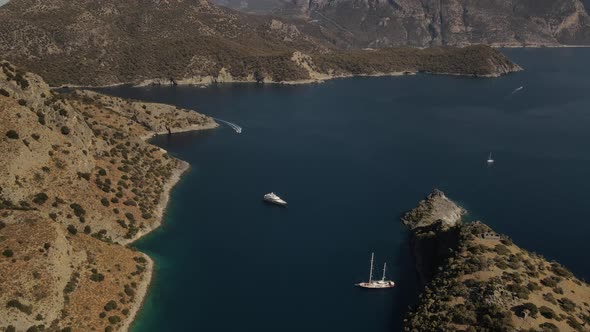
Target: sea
(350,156)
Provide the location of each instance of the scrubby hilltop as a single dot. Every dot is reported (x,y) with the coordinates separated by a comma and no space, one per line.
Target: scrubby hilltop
(479,280)
(76,182)
(92,43)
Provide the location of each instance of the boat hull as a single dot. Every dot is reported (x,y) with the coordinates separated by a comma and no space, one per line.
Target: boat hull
(377,285)
(275,202)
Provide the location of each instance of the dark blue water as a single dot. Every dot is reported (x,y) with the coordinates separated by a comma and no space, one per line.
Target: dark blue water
(350,156)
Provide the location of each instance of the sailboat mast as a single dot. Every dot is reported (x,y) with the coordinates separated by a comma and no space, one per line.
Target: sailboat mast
(384,266)
(371,271)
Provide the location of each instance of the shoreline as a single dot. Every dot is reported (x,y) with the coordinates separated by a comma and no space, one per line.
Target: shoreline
(182,168)
(142,290)
(204,82)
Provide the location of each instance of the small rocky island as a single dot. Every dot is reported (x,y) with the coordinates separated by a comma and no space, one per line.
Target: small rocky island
(478,280)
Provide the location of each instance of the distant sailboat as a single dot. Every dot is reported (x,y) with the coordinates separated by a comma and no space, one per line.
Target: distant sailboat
(378,284)
(490,160)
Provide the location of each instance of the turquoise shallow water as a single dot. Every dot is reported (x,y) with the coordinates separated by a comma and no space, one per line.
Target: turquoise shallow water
(351,156)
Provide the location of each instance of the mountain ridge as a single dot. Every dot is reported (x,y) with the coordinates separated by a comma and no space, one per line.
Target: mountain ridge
(364,23)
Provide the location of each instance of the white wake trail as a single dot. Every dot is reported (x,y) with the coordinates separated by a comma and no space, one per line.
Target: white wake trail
(517,89)
(233,126)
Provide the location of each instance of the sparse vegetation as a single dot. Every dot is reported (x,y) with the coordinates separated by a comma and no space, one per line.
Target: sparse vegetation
(40,198)
(111,305)
(72,229)
(14,303)
(7,253)
(12,134)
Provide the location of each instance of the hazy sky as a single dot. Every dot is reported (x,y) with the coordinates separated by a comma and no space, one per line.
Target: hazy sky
(3,2)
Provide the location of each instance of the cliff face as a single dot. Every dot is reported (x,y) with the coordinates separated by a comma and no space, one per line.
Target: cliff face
(434,226)
(76,182)
(484,282)
(380,23)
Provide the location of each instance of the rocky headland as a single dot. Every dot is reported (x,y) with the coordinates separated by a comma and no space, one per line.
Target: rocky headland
(78,183)
(478,280)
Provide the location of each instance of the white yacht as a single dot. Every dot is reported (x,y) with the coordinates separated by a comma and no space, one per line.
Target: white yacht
(490,160)
(274,199)
(377,284)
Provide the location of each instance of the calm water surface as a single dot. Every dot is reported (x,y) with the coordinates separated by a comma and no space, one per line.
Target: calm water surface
(351,156)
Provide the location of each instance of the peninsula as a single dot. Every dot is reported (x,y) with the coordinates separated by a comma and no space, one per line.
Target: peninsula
(77,183)
(479,280)
(196,42)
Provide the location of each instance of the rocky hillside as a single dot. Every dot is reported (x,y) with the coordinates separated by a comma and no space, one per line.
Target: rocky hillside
(361,23)
(96,43)
(91,43)
(77,182)
(454,22)
(478,280)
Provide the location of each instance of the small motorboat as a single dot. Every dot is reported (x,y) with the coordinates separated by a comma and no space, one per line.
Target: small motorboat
(274,199)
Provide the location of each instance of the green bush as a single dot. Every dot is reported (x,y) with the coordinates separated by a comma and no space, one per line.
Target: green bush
(567,304)
(27,309)
(573,322)
(104,201)
(549,298)
(547,312)
(519,290)
(72,229)
(78,209)
(111,305)
(7,253)
(529,307)
(501,249)
(40,198)
(114,319)
(41,117)
(550,281)
(560,270)
(97,277)
(129,291)
(4,93)
(65,130)
(549,327)
(12,134)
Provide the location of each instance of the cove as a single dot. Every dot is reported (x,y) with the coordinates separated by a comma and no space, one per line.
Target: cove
(350,156)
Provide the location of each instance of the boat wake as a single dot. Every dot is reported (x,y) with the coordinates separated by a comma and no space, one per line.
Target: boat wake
(233,126)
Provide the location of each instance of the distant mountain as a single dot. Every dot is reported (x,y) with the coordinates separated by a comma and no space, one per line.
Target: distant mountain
(85,42)
(384,23)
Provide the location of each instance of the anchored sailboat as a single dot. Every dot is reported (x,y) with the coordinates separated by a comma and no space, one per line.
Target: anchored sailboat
(376,283)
